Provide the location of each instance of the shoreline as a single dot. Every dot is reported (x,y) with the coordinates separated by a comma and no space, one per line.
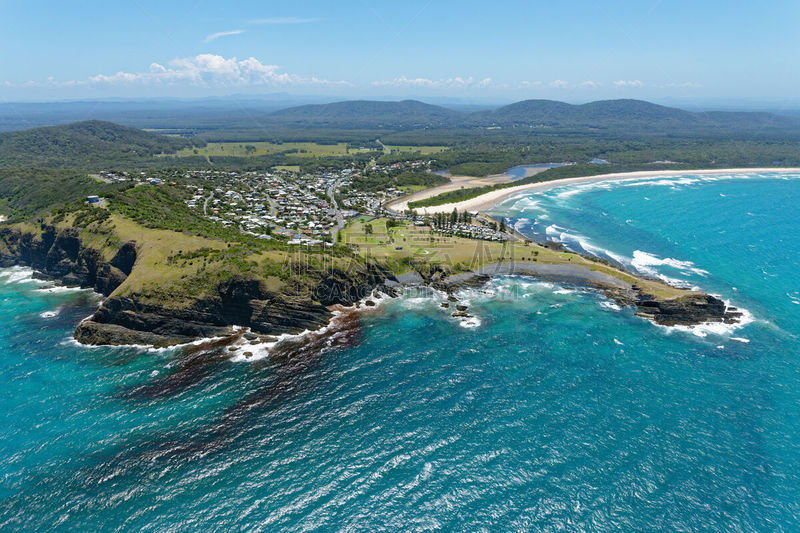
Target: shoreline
(460,182)
(491,199)
(688,311)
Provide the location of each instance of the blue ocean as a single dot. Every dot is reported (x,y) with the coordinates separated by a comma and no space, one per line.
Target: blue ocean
(553,409)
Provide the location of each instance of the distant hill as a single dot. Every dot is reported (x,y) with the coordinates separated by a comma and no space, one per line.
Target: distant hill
(606,116)
(243,119)
(83,144)
(627,116)
(369,113)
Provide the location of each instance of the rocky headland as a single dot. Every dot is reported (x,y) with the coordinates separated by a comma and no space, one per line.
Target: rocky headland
(137,318)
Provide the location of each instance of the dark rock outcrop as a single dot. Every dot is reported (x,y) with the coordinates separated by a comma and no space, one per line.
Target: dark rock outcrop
(240,302)
(60,256)
(688,310)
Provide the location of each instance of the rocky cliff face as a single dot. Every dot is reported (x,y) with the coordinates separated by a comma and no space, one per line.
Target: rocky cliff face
(686,311)
(135,319)
(240,302)
(61,256)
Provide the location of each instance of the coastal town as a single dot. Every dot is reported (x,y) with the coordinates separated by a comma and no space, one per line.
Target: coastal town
(305,209)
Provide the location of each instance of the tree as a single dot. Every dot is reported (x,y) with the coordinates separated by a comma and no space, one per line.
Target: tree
(454,217)
(502,224)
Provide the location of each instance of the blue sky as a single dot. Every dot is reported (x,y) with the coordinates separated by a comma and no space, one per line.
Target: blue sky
(573,50)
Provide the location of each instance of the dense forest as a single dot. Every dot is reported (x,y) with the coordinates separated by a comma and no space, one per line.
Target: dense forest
(82,145)
(377,181)
(27,193)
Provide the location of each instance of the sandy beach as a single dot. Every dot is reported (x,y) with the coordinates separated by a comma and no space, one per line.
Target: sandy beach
(487,201)
(456,182)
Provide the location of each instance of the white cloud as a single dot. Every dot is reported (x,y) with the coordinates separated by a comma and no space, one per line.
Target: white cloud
(283,20)
(119,77)
(211,70)
(456,82)
(215,36)
(559,84)
(631,83)
(590,84)
(527,84)
(685,85)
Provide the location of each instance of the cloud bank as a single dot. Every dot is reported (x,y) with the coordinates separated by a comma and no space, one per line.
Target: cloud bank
(456,82)
(212,70)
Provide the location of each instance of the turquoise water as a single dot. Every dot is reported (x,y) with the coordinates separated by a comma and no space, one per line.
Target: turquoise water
(514,173)
(556,411)
(521,171)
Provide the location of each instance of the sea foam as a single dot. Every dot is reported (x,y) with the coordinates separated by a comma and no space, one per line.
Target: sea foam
(18,274)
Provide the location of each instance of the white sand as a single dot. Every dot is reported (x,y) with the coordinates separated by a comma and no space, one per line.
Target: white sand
(493,198)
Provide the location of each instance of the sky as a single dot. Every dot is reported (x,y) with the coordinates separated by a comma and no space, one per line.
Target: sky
(570,50)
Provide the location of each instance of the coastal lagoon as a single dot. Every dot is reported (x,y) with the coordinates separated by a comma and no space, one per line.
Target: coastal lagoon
(514,173)
(523,171)
(552,409)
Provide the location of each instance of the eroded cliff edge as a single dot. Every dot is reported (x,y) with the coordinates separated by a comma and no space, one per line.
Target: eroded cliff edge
(155,318)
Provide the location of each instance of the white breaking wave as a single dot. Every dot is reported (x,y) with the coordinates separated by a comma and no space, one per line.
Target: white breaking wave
(610,305)
(526,203)
(553,230)
(571,192)
(665,182)
(471,322)
(18,274)
(645,262)
(600,252)
(60,288)
(563,193)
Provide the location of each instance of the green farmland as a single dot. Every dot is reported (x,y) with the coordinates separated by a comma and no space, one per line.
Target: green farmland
(297,149)
(259,148)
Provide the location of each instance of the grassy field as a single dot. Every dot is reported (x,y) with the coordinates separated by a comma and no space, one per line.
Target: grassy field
(411,189)
(301,149)
(420,150)
(409,242)
(240,149)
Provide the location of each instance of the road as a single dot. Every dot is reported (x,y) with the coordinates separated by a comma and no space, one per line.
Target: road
(205,203)
(339,217)
(98,177)
(273,207)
